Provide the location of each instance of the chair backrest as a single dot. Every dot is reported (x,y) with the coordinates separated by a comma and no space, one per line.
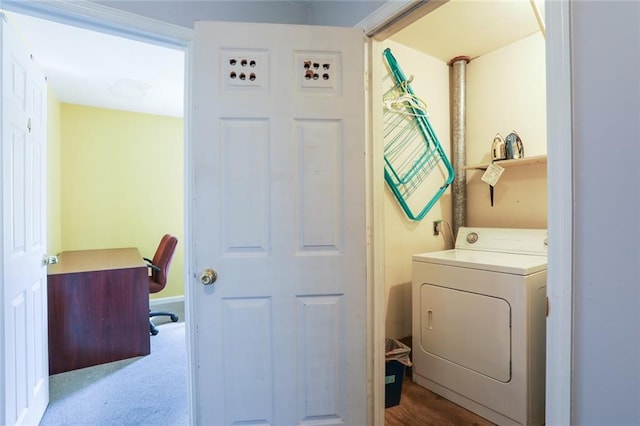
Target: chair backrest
(162,259)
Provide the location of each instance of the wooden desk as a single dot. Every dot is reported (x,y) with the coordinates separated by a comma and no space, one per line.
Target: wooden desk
(98,308)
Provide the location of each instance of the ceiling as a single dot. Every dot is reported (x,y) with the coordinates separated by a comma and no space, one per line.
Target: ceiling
(471,27)
(90,68)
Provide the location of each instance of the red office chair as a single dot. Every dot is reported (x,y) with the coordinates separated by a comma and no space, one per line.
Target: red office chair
(159,268)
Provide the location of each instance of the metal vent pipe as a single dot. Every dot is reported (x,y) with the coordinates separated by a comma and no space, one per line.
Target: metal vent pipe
(458,142)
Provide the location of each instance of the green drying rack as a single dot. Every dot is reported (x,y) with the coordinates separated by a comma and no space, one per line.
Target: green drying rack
(416,169)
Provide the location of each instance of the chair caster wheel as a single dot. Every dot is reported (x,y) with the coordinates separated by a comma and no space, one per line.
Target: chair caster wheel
(154,332)
(174,318)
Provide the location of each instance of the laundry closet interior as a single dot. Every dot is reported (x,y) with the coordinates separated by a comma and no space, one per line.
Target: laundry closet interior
(504,92)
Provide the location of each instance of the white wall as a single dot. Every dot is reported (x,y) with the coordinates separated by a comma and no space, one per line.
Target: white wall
(341,13)
(606,128)
(184,13)
(404,237)
(506,92)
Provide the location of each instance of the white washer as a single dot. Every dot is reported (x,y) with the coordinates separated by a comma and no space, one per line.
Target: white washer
(479,314)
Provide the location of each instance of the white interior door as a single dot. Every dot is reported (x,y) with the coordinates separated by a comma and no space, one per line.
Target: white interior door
(25,367)
(278,210)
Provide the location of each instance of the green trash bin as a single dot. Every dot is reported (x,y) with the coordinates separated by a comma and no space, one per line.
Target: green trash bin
(396,360)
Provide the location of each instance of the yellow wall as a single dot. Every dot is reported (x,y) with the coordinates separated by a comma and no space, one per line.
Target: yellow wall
(122,183)
(54,237)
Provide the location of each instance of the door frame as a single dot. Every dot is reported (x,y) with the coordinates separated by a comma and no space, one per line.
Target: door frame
(95,17)
(387,19)
(394,16)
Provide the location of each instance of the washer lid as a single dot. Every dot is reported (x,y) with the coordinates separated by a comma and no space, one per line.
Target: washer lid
(507,263)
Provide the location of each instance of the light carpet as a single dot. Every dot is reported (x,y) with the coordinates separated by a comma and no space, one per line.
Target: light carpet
(149,390)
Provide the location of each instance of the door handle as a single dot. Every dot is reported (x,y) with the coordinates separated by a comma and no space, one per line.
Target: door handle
(49,260)
(208,277)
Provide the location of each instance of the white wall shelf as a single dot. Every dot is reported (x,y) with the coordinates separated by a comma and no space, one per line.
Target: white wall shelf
(527,161)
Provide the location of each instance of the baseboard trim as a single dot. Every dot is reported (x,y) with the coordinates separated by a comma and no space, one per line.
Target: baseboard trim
(173,304)
(166,301)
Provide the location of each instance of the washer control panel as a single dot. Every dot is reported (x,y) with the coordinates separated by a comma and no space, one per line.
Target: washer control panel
(507,240)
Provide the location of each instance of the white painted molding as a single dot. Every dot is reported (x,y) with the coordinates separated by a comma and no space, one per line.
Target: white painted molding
(375,227)
(560,212)
(189,259)
(95,17)
(86,14)
(373,25)
(3,373)
(560,196)
(382,16)
(396,15)
(166,301)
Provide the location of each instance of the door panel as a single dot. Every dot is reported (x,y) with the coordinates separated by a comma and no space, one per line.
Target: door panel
(279,212)
(249,377)
(245,186)
(319,174)
(320,358)
(24,243)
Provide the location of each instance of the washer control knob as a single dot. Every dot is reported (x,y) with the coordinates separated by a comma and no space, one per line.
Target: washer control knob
(472,237)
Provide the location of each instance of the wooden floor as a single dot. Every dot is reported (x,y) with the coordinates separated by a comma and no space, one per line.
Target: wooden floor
(421,407)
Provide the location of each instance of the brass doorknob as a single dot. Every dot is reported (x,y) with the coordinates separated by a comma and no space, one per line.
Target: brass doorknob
(49,260)
(208,277)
